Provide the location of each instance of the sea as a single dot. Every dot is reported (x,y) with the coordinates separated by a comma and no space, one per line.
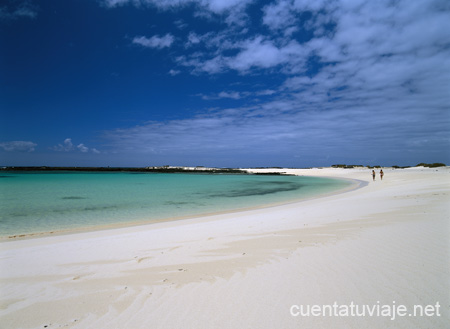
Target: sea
(51,202)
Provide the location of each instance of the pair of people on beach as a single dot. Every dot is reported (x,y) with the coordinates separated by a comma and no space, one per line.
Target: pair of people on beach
(381,174)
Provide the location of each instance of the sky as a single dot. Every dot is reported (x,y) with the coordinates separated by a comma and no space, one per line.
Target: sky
(224,83)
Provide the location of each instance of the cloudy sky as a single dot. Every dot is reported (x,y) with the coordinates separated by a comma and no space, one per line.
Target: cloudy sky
(224,82)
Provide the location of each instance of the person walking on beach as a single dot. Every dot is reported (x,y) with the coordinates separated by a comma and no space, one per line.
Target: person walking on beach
(381,174)
(373,174)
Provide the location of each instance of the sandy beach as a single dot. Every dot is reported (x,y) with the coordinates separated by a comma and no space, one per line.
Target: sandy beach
(382,246)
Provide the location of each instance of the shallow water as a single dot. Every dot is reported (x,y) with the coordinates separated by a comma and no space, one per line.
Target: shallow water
(34,202)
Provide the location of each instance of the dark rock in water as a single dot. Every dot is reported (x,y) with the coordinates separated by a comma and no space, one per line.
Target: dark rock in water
(73,198)
(252,191)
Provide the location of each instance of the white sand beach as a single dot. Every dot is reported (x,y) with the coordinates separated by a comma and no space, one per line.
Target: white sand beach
(386,243)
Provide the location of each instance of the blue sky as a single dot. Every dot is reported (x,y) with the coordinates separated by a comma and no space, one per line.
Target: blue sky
(224,82)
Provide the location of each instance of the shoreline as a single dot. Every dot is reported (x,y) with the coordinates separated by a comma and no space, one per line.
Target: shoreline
(354,184)
(387,242)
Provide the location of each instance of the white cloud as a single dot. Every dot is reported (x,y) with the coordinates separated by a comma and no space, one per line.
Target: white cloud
(266,92)
(65,147)
(18,9)
(224,94)
(215,41)
(180,24)
(18,146)
(231,11)
(155,41)
(68,146)
(232,95)
(277,128)
(116,3)
(214,6)
(302,123)
(318,5)
(222,5)
(291,55)
(372,79)
(279,15)
(237,94)
(193,39)
(82,148)
(256,53)
(174,72)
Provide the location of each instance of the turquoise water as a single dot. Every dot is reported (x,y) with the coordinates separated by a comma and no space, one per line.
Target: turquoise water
(54,201)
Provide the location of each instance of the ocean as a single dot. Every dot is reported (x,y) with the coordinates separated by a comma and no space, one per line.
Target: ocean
(44,202)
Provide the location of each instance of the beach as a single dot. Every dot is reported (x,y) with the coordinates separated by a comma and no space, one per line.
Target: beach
(382,248)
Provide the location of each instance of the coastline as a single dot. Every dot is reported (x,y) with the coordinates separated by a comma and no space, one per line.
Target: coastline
(353,184)
(385,242)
